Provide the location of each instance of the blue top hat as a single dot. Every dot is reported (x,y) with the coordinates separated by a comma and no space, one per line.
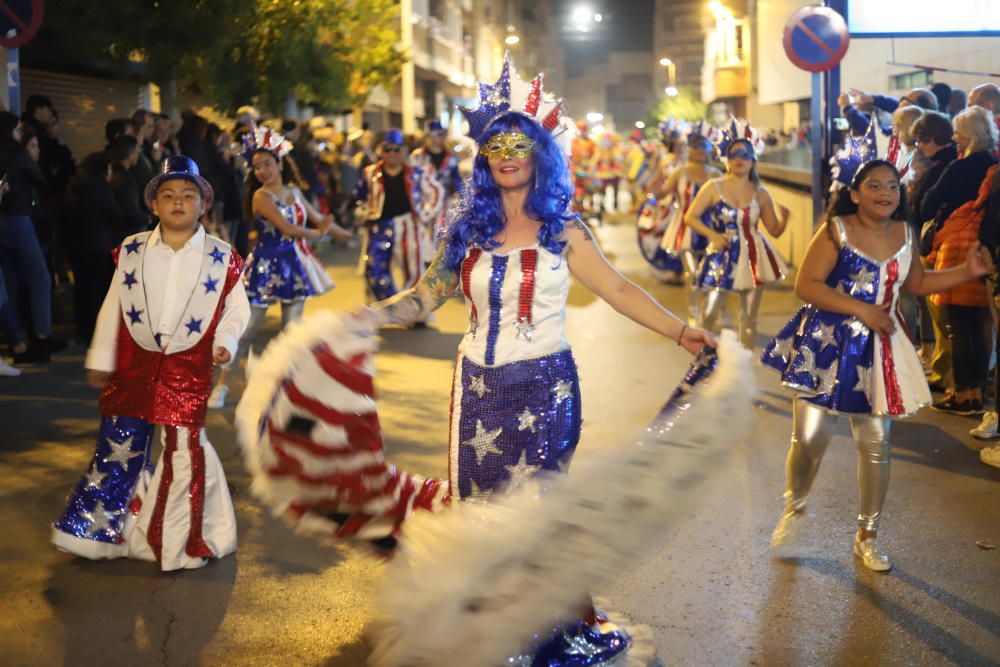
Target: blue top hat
(184,168)
(435,127)
(393,136)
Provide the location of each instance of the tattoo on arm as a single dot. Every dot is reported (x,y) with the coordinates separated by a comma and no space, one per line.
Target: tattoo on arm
(414,305)
(582,226)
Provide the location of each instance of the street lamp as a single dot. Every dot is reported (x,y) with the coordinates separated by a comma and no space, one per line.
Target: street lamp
(595,117)
(511,39)
(671,91)
(671,73)
(582,15)
(639,125)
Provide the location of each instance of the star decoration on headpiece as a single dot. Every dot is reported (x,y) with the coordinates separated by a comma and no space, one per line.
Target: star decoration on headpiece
(211,284)
(193,326)
(855,152)
(737,130)
(130,278)
(133,247)
(264,139)
(510,93)
(217,255)
(134,315)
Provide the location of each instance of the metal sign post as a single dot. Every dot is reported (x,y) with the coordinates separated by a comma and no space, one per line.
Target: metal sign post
(19,22)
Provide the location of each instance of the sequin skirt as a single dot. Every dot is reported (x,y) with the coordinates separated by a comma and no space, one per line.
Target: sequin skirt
(837,363)
(510,421)
(749,262)
(283,269)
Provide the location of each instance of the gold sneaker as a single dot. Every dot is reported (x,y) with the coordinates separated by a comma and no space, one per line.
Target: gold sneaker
(871,554)
(786,533)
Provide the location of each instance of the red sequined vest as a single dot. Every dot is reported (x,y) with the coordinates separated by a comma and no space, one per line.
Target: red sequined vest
(170,389)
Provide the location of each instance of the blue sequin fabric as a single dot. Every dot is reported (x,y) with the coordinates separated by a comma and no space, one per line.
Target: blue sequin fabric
(282,268)
(98,505)
(514,420)
(749,261)
(835,360)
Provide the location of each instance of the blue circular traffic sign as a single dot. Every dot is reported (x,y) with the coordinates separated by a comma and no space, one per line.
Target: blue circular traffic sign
(816,38)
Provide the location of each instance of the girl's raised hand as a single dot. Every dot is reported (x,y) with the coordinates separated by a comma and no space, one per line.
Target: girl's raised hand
(979,261)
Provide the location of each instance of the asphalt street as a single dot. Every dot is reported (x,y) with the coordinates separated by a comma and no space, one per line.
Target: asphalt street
(708,587)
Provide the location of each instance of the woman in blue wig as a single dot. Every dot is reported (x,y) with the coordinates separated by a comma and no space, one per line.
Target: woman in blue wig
(510,248)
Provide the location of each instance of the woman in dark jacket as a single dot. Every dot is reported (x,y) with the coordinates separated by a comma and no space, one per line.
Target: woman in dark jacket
(95,221)
(24,263)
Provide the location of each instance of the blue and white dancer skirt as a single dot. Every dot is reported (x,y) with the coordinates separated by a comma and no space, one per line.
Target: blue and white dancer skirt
(510,421)
(102,507)
(283,269)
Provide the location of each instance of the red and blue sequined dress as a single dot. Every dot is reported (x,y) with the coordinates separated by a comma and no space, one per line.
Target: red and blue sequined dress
(837,361)
(283,268)
(679,236)
(516,403)
(749,262)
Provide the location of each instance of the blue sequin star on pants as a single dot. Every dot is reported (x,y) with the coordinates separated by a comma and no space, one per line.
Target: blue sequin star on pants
(378,257)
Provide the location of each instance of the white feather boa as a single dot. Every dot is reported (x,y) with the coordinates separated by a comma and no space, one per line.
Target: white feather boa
(472,585)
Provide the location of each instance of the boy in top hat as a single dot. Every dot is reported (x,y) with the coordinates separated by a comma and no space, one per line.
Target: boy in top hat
(175,308)
(398,204)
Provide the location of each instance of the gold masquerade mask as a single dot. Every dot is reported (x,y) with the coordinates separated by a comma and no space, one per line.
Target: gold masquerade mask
(508,145)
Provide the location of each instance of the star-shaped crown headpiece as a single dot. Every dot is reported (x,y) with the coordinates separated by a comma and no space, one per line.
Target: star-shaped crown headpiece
(264,138)
(737,130)
(510,93)
(855,152)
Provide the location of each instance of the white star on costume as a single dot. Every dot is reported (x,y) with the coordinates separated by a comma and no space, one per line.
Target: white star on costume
(806,358)
(524,330)
(864,379)
(825,336)
(826,379)
(95,478)
(99,518)
(562,390)
(477,383)
(718,271)
(863,281)
(120,453)
(484,442)
(277,280)
(521,471)
(526,420)
(782,348)
(857,327)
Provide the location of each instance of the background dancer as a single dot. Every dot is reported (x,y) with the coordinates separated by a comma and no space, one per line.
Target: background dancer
(739,258)
(176,307)
(435,160)
(846,352)
(680,240)
(282,268)
(397,205)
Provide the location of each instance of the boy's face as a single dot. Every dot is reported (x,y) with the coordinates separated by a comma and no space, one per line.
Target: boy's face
(178,204)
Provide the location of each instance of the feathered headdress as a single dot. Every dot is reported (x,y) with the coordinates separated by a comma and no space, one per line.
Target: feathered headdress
(264,139)
(855,152)
(737,130)
(510,93)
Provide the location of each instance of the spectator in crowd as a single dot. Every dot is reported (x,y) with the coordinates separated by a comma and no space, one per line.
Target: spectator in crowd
(987,96)
(942,92)
(222,174)
(164,140)
(966,311)
(55,159)
(932,133)
(957,103)
(115,128)
(123,153)
(989,235)
(24,264)
(903,119)
(854,103)
(304,155)
(95,224)
(143,127)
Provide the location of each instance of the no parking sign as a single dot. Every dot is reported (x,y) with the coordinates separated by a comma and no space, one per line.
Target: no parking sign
(816,38)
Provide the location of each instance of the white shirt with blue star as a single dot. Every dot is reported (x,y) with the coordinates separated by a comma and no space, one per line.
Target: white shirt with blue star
(169,278)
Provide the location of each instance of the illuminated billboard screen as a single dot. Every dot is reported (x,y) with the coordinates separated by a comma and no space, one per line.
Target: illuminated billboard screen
(920,18)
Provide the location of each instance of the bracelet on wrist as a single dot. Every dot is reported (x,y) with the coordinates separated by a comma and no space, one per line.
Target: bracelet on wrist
(680,336)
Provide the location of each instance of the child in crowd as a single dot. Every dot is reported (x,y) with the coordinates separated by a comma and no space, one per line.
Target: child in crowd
(175,308)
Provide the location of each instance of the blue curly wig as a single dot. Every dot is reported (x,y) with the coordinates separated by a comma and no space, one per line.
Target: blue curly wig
(479,217)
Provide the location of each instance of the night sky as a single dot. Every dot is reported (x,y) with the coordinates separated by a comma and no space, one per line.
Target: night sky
(627,26)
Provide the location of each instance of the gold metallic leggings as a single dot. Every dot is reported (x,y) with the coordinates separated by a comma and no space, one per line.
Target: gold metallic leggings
(715,302)
(812,428)
(696,296)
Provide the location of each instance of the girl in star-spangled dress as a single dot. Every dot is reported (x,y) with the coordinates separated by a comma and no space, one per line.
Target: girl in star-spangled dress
(846,351)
